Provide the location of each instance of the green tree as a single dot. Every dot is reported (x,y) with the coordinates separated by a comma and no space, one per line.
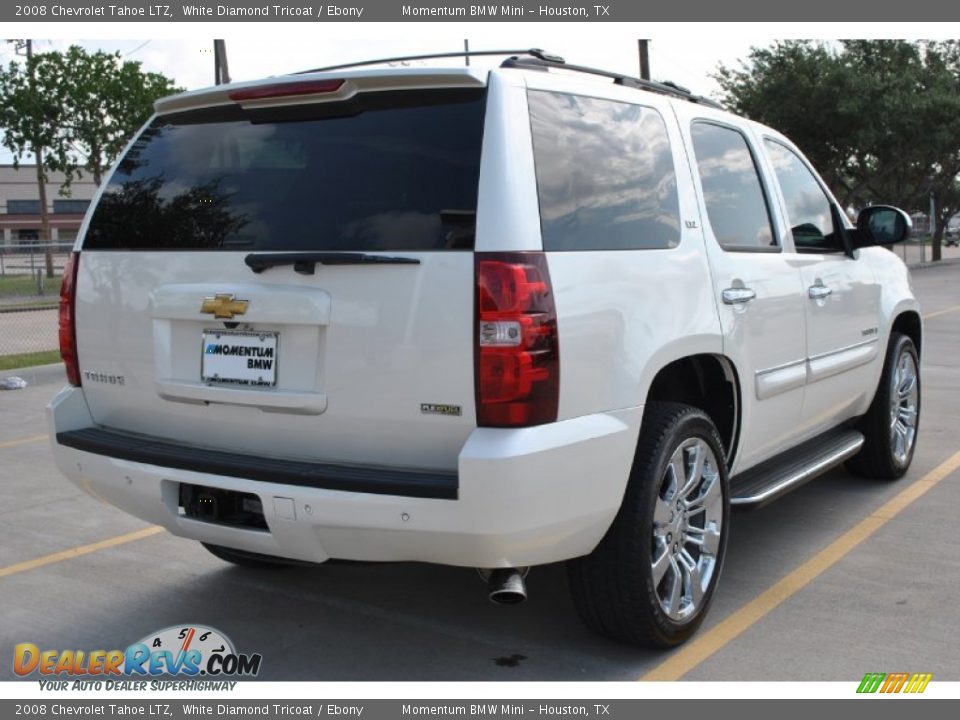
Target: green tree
(802,89)
(32,117)
(74,111)
(879,118)
(108,100)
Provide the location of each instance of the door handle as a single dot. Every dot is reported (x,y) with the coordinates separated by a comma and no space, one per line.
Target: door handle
(737,296)
(819,291)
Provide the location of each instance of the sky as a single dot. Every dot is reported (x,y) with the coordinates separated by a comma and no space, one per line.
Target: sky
(189,61)
(686,53)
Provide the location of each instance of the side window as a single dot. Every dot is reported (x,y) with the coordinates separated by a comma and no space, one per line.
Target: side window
(808,208)
(605,174)
(736,204)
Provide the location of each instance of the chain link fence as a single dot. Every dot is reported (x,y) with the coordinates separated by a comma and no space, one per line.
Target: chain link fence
(28,299)
(918,250)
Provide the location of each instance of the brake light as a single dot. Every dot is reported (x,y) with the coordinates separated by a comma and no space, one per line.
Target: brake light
(518,357)
(288,89)
(67,319)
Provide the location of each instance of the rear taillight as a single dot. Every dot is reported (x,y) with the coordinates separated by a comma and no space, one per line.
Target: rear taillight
(67,319)
(518,356)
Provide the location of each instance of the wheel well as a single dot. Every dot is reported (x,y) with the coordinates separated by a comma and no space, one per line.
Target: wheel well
(908,323)
(708,382)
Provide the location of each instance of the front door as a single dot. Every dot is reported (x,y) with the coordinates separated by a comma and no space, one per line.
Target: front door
(841,297)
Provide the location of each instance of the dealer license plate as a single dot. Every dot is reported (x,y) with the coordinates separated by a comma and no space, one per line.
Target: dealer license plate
(239,358)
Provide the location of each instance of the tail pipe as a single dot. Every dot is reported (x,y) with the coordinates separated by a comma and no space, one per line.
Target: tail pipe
(506,586)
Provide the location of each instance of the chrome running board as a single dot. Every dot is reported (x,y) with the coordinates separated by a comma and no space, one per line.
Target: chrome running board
(773,478)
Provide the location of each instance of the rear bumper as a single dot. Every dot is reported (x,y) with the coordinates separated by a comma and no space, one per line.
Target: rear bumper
(521,497)
(350,478)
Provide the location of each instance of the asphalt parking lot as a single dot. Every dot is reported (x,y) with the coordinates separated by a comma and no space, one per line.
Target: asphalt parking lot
(842,577)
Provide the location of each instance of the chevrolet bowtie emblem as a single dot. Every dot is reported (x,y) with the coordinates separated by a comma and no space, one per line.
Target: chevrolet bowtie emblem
(223,305)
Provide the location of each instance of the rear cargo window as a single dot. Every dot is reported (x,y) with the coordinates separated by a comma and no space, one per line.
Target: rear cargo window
(384,171)
(605,174)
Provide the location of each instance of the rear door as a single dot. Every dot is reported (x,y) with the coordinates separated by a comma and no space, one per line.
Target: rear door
(291,276)
(756,284)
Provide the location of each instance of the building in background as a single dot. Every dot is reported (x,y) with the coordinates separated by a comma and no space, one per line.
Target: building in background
(20,206)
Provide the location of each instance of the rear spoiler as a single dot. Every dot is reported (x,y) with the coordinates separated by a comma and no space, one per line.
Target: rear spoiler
(316,87)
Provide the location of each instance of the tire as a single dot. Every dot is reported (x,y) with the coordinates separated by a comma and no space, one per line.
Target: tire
(254,561)
(618,590)
(888,446)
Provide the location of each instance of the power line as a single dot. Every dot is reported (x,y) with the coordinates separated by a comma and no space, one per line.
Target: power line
(138,47)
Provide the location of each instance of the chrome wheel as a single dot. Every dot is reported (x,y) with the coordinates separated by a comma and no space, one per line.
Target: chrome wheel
(687,525)
(904,400)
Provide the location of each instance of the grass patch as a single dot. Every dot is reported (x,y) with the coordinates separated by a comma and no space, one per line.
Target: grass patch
(11,285)
(22,360)
(47,303)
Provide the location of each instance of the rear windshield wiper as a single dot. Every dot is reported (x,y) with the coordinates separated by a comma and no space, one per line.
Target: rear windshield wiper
(305,262)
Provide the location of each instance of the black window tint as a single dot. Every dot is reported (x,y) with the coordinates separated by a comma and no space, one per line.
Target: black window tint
(736,206)
(70,206)
(23,207)
(808,208)
(605,174)
(384,171)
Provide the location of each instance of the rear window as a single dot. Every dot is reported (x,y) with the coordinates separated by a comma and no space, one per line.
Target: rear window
(605,174)
(385,171)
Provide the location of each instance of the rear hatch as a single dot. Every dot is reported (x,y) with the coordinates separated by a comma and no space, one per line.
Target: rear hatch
(290,273)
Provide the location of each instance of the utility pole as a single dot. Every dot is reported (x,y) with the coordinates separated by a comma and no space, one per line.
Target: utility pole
(644,47)
(221,71)
(466,52)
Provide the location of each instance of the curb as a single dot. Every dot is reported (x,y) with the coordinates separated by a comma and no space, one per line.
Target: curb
(25,308)
(39,374)
(931,264)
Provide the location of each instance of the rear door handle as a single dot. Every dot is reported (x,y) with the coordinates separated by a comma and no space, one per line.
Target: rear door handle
(819,291)
(737,296)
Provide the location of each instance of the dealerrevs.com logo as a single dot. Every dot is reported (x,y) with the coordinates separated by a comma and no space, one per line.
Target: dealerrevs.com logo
(188,651)
(900,682)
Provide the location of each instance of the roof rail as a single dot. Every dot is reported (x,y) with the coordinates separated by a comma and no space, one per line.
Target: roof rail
(537,59)
(664,88)
(534,53)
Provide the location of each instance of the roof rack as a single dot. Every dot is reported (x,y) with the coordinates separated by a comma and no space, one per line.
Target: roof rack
(664,88)
(534,53)
(537,59)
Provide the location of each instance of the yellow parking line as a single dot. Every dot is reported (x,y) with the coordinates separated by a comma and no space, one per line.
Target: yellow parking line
(23,441)
(79,551)
(941,312)
(691,655)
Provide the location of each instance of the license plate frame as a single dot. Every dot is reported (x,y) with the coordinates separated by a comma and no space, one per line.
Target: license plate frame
(231,367)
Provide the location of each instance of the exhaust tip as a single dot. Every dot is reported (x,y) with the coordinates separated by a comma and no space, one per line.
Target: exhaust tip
(506,586)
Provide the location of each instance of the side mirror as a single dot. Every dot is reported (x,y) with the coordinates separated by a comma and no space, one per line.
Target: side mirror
(881,225)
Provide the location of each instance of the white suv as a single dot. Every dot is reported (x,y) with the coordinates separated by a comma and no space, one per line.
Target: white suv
(482,318)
